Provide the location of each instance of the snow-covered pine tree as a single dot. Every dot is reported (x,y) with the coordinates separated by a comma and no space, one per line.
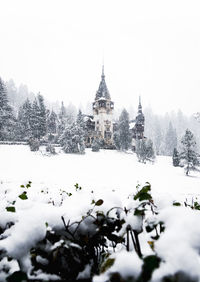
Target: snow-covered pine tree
(189,155)
(175,158)
(116,139)
(144,150)
(170,140)
(24,121)
(122,137)
(35,126)
(80,120)
(141,150)
(62,119)
(7,120)
(72,139)
(96,145)
(52,124)
(150,154)
(42,116)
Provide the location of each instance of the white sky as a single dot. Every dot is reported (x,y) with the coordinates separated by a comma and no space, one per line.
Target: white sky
(150,48)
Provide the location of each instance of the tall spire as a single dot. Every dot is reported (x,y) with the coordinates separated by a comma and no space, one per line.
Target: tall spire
(103,75)
(102,92)
(140,105)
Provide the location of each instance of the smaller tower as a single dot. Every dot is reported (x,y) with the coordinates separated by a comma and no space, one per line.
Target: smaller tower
(103,112)
(139,124)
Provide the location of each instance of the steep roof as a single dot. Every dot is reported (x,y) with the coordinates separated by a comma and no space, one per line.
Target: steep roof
(102,92)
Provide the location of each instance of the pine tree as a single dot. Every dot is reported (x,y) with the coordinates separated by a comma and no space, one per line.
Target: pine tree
(189,155)
(42,117)
(24,121)
(7,120)
(170,140)
(80,120)
(62,119)
(122,137)
(72,139)
(35,126)
(175,157)
(144,150)
(141,150)
(96,145)
(150,154)
(52,123)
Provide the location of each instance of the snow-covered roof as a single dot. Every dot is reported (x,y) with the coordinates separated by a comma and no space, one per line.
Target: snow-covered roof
(132,124)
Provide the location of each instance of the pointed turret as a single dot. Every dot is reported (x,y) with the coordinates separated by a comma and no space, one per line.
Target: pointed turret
(102,92)
(139,125)
(140,106)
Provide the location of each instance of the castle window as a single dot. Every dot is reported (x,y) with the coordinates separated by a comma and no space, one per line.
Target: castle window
(107,134)
(97,121)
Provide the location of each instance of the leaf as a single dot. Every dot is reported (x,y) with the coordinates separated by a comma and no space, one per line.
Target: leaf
(107,264)
(23,196)
(99,202)
(143,193)
(10,209)
(150,264)
(151,244)
(17,276)
(46,224)
(176,204)
(139,212)
(93,202)
(22,186)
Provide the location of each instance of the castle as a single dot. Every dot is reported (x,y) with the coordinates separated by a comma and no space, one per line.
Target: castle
(102,125)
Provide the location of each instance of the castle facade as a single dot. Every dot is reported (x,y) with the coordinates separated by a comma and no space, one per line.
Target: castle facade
(101,124)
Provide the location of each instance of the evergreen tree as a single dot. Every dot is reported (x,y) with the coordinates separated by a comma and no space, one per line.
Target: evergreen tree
(150,154)
(189,155)
(72,139)
(80,120)
(116,139)
(24,121)
(95,145)
(35,126)
(144,150)
(170,140)
(122,138)
(175,157)
(52,123)
(62,119)
(7,120)
(42,118)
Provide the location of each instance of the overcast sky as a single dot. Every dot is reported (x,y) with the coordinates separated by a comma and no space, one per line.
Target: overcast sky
(150,48)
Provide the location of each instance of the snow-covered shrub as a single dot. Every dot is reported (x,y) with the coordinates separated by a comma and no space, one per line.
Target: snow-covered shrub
(50,149)
(189,155)
(144,150)
(34,144)
(72,139)
(135,240)
(175,158)
(95,145)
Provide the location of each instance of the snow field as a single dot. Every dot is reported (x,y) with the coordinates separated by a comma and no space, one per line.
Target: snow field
(107,175)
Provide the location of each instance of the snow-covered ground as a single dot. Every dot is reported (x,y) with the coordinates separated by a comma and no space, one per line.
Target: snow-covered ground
(107,175)
(106,170)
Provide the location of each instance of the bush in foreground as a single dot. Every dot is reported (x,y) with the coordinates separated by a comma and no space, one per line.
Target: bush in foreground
(134,241)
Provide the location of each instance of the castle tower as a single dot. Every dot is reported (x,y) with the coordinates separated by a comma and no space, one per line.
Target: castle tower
(139,124)
(103,112)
